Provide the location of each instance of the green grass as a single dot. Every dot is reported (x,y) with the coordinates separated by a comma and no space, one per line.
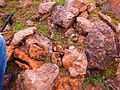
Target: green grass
(22,78)
(95,79)
(43,29)
(61,2)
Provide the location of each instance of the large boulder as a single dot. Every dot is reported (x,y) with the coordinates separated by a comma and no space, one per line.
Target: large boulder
(75,61)
(38,79)
(100,45)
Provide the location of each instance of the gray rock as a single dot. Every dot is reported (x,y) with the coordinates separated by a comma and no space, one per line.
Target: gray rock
(62,17)
(46,7)
(100,45)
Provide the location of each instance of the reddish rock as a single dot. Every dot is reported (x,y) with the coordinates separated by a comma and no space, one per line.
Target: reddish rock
(66,83)
(84,14)
(7,35)
(56,59)
(2,3)
(10,50)
(46,7)
(75,61)
(69,32)
(24,57)
(38,79)
(19,36)
(115,5)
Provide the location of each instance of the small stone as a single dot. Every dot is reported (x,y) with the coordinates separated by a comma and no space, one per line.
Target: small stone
(69,32)
(46,7)
(29,23)
(8,28)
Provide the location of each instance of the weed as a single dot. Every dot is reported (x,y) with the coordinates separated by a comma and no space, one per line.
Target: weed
(22,78)
(95,79)
(61,2)
(43,29)
(17,26)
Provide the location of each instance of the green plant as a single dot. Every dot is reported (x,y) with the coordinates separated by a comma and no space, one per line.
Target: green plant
(22,78)
(95,79)
(18,26)
(61,2)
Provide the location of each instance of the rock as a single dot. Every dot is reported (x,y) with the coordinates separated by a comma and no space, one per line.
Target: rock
(46,7)
(19,36)
(73,6)
(8,28)
(22,65)
(18,53)
(2,3)
(84,24)
(41,78)
(7,35)
(67,83)
(36,52)
(100,46)
(95,86)
(56,59)
(62,17)
(114,5)
(10,50)
(84,14)
(75,61)
(69,32)
(39,46)
(29,23)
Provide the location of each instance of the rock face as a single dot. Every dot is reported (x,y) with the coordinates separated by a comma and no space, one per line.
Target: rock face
(41,78)
(46,7)
(75,61)
(100,45)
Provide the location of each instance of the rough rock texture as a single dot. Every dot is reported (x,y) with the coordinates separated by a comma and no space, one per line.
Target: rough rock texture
(84,25)
(18,53)
(62,17)
(7,35)
(67,83)
(21,35)
(46,7)
(41,78)
(100,45)
(10,50)
(114,5)
(39,46)
(75,61)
